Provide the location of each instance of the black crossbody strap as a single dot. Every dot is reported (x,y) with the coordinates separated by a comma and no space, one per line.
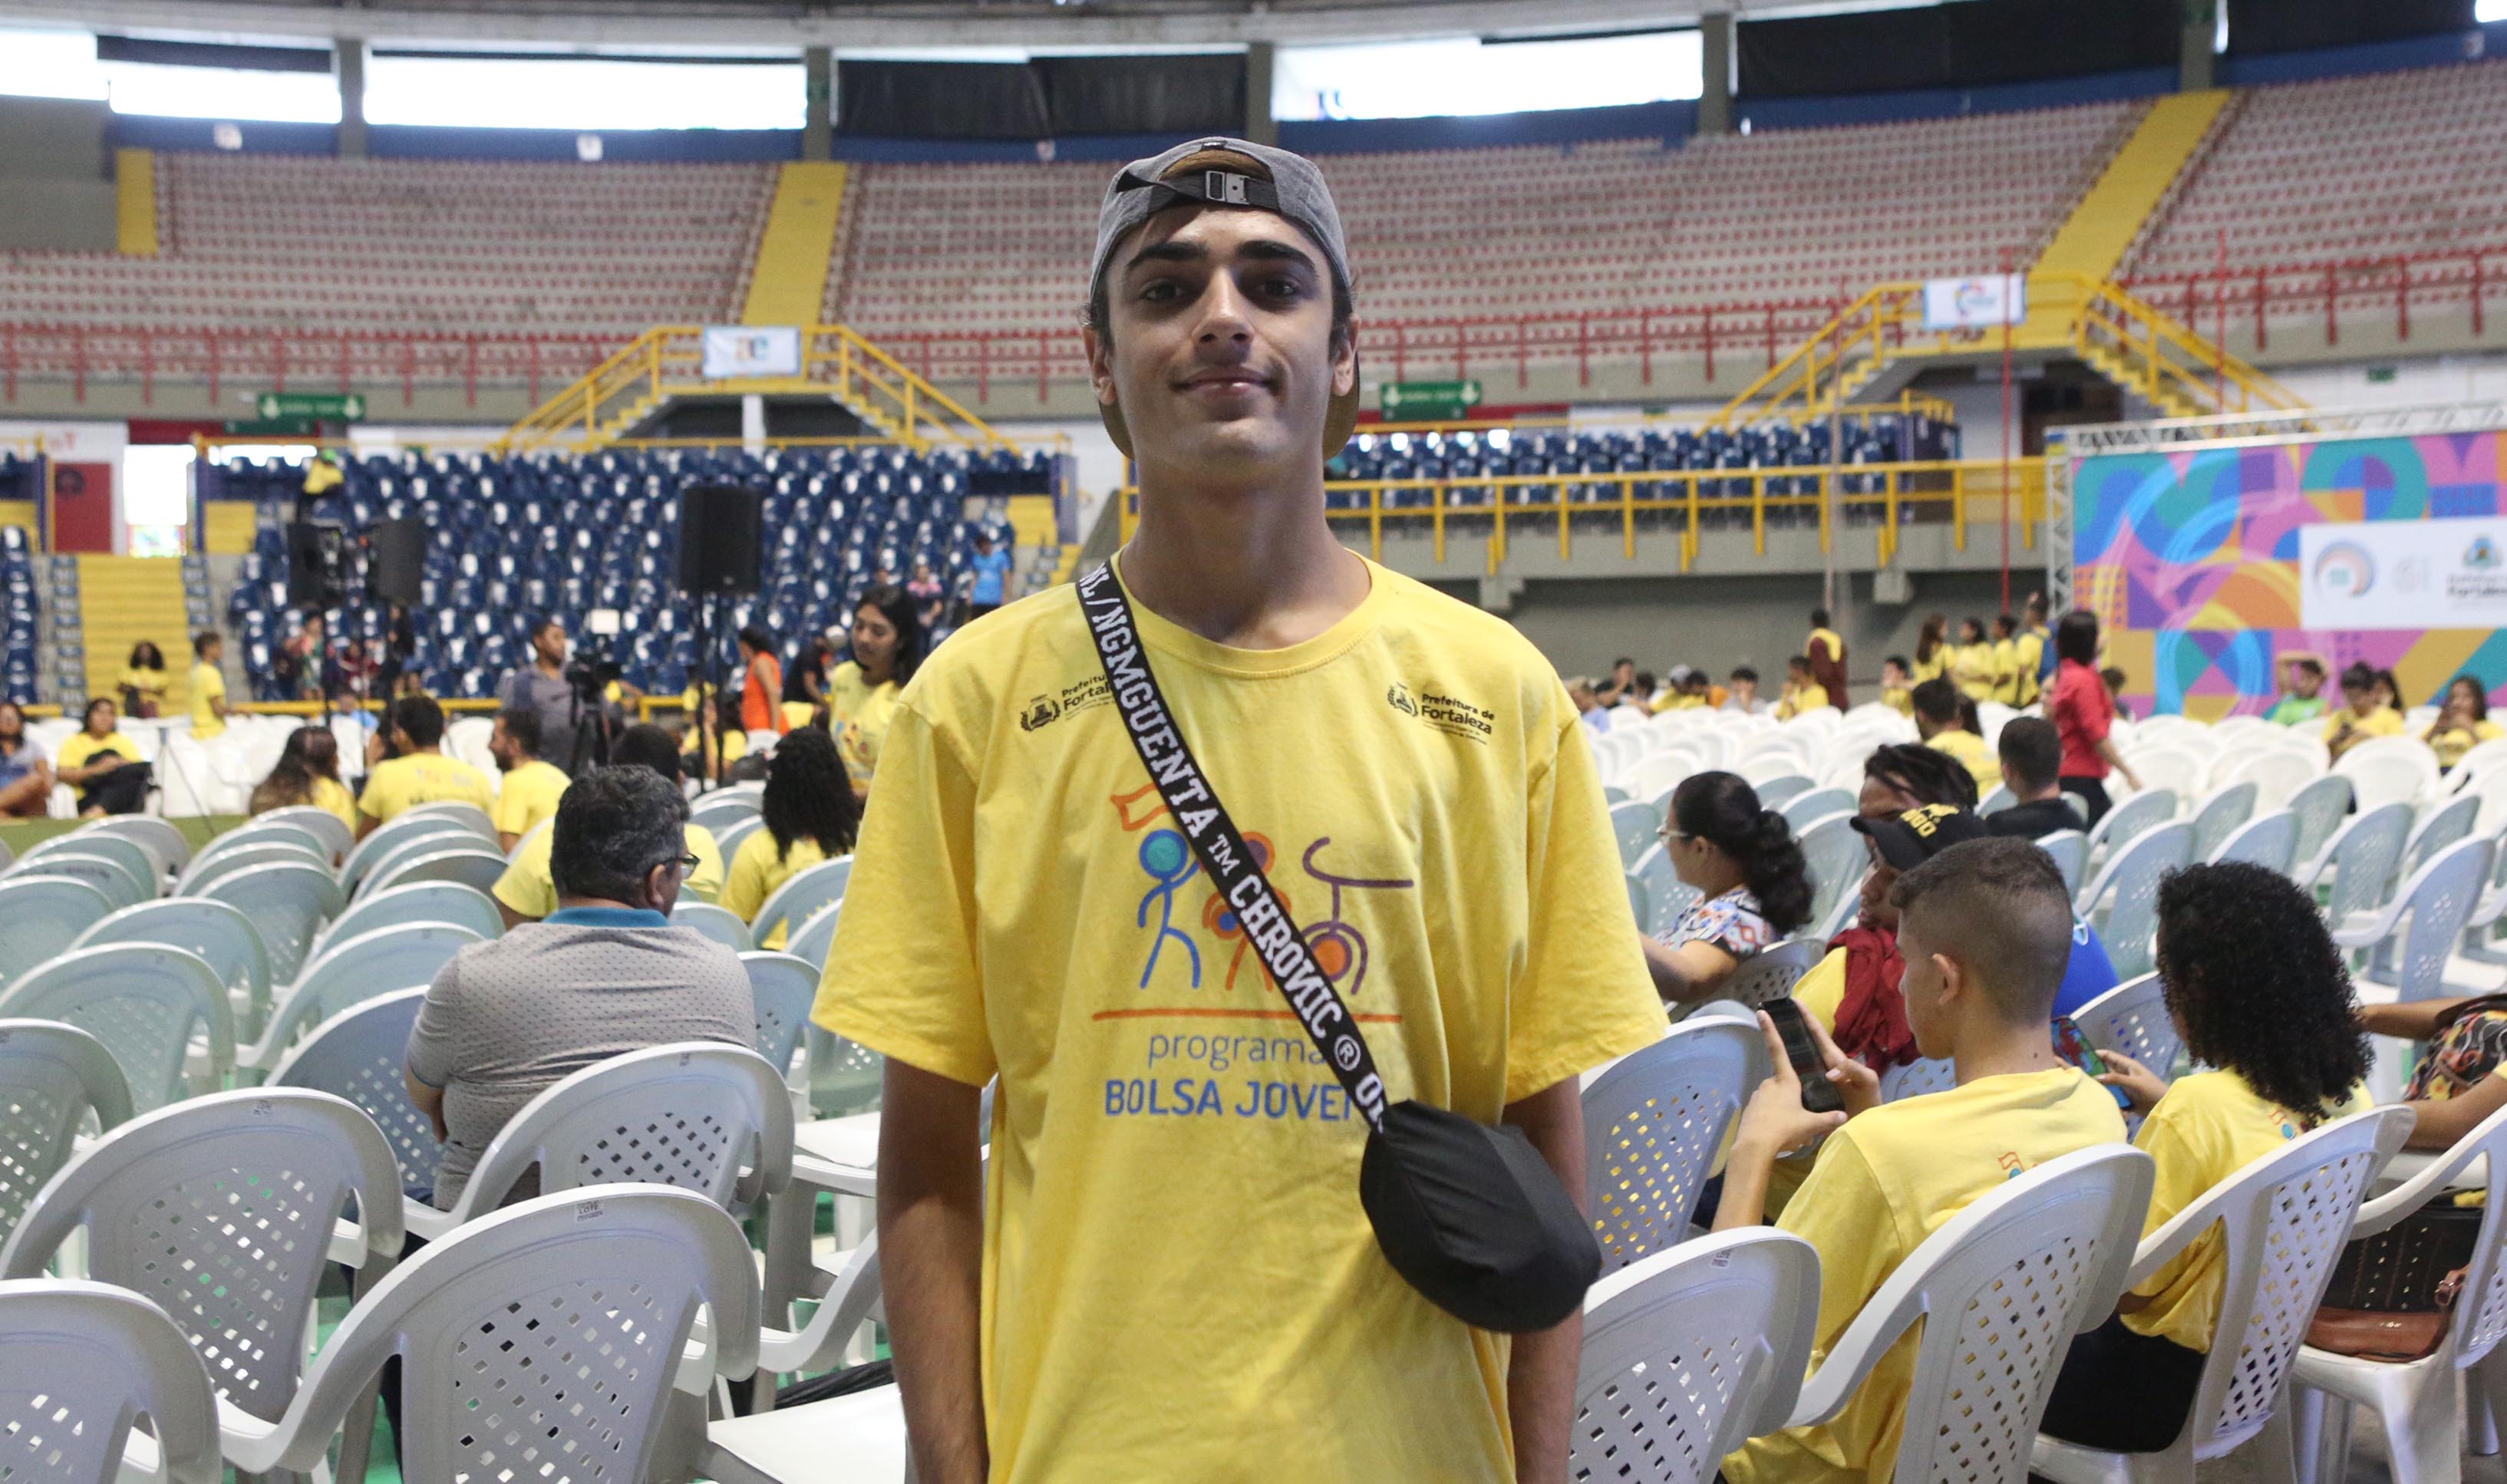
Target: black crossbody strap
(1221,850)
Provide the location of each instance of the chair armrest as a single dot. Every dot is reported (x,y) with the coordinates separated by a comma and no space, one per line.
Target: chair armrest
(2378,930)
(820,1344)
(253,1446)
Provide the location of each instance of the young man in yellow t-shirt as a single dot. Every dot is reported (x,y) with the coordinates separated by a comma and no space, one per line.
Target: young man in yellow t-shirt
(208,685)
(1165,1273)
(528,890)
(420,772)
(2362,716)
(1937,723)
(526,795)
(1802,693)
(1985,930)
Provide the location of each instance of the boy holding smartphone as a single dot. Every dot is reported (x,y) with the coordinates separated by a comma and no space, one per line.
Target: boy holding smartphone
(1986,931)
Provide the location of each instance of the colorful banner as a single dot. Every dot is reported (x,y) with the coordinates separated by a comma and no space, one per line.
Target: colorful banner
(1975,304)
(733,352)
(2198,563)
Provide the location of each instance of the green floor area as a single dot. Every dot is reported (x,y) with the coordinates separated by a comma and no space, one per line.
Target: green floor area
(20,835)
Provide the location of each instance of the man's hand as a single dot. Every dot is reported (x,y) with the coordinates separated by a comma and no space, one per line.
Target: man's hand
(1859,1085)
(2137,1082)
(1775,1123)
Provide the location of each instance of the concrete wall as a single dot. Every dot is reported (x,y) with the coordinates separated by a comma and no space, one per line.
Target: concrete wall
(55,177)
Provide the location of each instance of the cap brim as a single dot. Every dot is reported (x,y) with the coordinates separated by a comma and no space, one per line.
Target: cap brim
(1899,848)
(1340,421)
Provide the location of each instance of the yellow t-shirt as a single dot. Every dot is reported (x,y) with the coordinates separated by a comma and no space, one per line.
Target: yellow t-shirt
(1972,755)
(2210,1126)
(1900,699)
(334,795)
(1799,698)
(528,887)
(1677,701)
(527,795)
(1935,667)
(2383,721)
(2450,744)
(2005,672)
(1173,1240)
(1972,669)
(399,784)
(755,873)
(147,682)
(207,685)
(1828,637)
(2031,647)
(1884,1182)
(859,716)
(84,745)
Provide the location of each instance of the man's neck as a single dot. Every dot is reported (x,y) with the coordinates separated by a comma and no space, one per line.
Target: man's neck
(553,668)
(415,751)
(1992,1049)
(2053,790)
(599,903)
(1251,568)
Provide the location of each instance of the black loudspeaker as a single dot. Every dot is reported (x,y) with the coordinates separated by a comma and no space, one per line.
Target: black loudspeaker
(396,561)
(720,536)
(314,576)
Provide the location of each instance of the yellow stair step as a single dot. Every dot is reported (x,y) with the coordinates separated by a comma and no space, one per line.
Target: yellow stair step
(788,282)
(124,600)
(2093,240)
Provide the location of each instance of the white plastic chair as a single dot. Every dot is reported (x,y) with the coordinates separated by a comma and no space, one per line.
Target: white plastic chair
(1771,972)
(2410,966)
(815,937)
(790,1445)
(717,810)
(469,816)
(2269,840)
(2389,770)
(2442,826)
(215,931)
(1996,802)
(166,842)
(1777,791)
(358,1055)
(212,864)
(728,840)
(394,836)
(2142,811)
(124,852)
(720,923)
(2282,1222)
(2221,815)
(112,879)
(2173,769)
(476,867)
(804,892)
(2000,1290)
(2130,925)
(145,1001)
(350,971)
(41,917)
(846,1076)
(1690,1353)
(2361,860)
(784,987)
(80,1362)
(2417,1400)
(1835,857)
(324,826)
(2071,852)
(1917,1078)
(1666,896)
(685,1113)
(1818,804)
(1654,1121)
(2132,1018)
(495,1324)
(287,903)
(2322,807)
(268,829)
(1658,772)
(426,901)
(222,1211)
(52,1076)
(2278,774)
(2489,786)
(1636,825)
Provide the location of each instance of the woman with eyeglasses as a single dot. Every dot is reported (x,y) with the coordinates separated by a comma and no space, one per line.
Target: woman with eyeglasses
(1753,885)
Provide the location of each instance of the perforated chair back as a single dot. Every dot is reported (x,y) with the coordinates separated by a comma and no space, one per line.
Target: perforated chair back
(2269,840)
(2278,773)
(1690,1353)
(2132,1018)
(120,850)
(2445,825)
(782,986)
(163,840)
(215,931)
(352,970)
(1771,972)
(469,816)
(2220,816)
(2363,858)
(802,893)
(1666,896)
(1777,791)
(2133,875)
(112,879)
(78,1363)
(846,1076)
(287,903)
(1654,1121)
(2321,806)
(422,901)
(815,937)
(394,836)
(1917,1078)
(1836,858)
(220,1211)
(719,811)
(2439,900)
(475,867)
(2071,852)
(52,1076)
(41,917)
(2389,770)
(227,861)
(2129,819)
(1636,824)
(1818,804)
(144,1001)
(358,1055)
(334,833)
(720,923)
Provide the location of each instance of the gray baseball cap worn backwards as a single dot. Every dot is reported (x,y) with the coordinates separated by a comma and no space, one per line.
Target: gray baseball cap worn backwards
(1294,192)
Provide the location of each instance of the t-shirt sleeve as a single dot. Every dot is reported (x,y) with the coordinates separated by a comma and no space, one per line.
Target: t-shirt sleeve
(744,891)
(1584,996)
(375,801)
(1841,1210)
(511,809)
(433,1054)
(2181,1178)
(902,977)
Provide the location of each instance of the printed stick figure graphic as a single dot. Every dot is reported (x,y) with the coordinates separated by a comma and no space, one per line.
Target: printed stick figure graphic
(1170,863)
(1220,917)
(1338,947)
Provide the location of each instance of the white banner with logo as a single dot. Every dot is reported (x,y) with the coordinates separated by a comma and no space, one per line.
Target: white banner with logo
(1975,304)
(733,352)
(2404,574)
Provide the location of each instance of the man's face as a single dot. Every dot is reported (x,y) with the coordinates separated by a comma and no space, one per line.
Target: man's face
(2304,681)
(1890,676)
(1744,691)
(1222,357)
(500,745)
(550,645)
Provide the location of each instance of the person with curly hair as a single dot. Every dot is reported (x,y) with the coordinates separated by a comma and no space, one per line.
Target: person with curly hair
(2260,993)
(1753,887)
(308,772)
(811,817)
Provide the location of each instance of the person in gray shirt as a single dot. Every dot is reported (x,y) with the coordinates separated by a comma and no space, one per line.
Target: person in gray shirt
(541,686)
(604,974)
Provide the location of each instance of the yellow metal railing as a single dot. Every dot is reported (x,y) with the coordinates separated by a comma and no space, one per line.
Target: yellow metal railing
(2165,362)
(669,361)
(1959,493)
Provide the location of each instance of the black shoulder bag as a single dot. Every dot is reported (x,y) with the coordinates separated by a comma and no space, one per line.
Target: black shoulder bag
(1468,1216)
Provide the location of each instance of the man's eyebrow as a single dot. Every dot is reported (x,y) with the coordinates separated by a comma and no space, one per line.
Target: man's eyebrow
(1267,249)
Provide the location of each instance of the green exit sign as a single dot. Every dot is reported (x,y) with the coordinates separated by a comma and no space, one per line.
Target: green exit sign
(1427,401)
(323,406)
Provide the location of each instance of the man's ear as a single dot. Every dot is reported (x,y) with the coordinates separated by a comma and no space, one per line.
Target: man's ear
(1955,982)
(1101,365)
(1344,354)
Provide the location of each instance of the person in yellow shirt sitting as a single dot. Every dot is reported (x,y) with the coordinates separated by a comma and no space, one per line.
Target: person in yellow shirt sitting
(308,772)
(1939,723)
(1802,693)
(1972,661)
(2362,714)
(1897,685)
(1985,927)
(526,795)
(143,681)
(2462,724)
(528,890)
(707,758)
(417,771)
(94,761)
(2255,983)
(862,692)
(208,685)
(810,817)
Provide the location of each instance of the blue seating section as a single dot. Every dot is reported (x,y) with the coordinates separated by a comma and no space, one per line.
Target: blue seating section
(17,662)
(1878,439)
(513,539)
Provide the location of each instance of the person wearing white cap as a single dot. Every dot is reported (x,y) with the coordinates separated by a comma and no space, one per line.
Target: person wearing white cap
(1168,1271)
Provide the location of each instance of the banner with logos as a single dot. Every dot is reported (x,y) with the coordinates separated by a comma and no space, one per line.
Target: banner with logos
(735,351)
(1975,304)
(2404,574)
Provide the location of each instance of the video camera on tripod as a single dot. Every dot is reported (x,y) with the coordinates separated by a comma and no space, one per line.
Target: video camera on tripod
(589,675)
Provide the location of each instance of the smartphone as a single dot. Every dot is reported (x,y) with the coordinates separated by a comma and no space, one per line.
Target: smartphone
(2074,1047)
(1818,1093)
